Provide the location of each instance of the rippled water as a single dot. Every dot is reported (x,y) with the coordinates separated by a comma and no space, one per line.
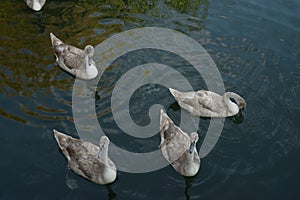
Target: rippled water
(255,45)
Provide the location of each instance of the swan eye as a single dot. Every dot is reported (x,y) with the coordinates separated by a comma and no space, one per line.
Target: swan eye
(191,149)
(233,100)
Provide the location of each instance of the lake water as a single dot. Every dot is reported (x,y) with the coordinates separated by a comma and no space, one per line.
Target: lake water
(256,47)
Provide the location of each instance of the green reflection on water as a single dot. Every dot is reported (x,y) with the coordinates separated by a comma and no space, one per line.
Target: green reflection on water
(27,59)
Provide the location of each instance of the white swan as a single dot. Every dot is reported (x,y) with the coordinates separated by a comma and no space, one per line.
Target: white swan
(87,159)
(35,4)
(75,61)
(209,104)
(178,147)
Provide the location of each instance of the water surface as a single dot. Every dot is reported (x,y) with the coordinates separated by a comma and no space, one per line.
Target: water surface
(255,45)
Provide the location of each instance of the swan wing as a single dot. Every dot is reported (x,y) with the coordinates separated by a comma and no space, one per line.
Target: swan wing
(67,56)
(83,161)
(174,141)
(210,103)
(89,166)
(71,58)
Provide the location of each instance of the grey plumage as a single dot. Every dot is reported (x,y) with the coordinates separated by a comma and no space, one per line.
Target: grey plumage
(178,148)
(83,158)
(209,104)
(73,60)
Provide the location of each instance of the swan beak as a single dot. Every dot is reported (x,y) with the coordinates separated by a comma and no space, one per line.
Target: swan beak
(100,153)
(89,61)
(192,146)
(242,106)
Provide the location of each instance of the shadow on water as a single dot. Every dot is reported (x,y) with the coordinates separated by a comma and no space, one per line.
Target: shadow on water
(239,118)
(75,183)
(188,185)
(111,194)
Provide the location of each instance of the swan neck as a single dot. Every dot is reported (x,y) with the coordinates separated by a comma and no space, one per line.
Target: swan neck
(90,67)
(230,105)
(190,158)
(104,157)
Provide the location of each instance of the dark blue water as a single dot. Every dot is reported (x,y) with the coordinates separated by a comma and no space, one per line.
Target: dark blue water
(255,45)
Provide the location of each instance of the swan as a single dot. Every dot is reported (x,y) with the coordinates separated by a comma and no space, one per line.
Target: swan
(75,61)
(209,104)
(35,4)
(178,147)
(87,159)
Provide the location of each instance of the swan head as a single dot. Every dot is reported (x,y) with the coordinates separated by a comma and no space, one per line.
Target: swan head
(90,66)
(237,99)
(35,4)
(89,62)
(89,51)
(103,145)
(164,121)
(241,103)
(194,139)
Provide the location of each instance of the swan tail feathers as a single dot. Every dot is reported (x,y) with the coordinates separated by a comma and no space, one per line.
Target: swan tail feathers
(61,139)
(55,41)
